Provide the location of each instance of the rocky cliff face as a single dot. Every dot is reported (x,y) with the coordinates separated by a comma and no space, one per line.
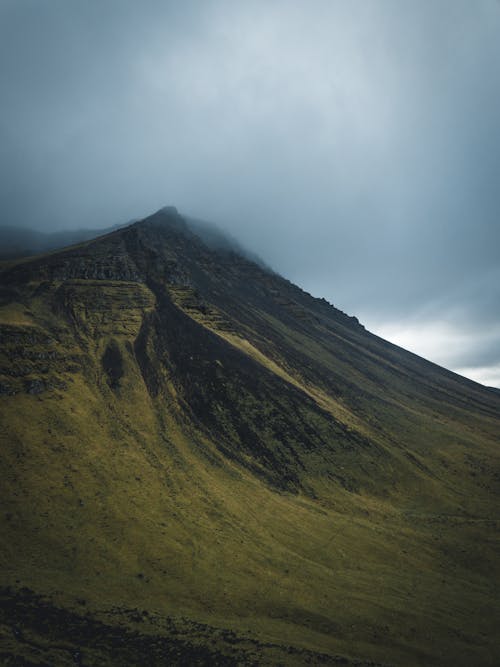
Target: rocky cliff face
(192,441)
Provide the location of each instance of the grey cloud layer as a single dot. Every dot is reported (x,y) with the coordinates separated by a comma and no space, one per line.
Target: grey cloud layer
(354,145)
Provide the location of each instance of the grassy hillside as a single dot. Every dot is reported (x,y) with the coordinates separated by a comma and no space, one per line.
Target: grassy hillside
(202,464)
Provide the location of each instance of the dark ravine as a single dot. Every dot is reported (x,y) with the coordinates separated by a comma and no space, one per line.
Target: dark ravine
(191,435)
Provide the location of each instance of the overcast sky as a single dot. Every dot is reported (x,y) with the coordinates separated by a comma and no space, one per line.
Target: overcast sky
(354,145)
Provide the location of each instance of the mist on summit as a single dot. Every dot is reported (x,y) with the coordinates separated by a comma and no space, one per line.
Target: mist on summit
(354,147)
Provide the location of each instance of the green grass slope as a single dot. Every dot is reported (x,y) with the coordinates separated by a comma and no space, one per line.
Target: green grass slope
(202,464)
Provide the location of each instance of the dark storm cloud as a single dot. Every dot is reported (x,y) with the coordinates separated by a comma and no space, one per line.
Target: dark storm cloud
(354,145)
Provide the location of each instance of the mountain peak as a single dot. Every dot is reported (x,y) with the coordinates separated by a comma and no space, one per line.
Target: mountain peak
(169,210)
(167,216)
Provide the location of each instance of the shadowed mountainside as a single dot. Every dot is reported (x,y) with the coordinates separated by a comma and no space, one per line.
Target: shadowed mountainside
(200,457)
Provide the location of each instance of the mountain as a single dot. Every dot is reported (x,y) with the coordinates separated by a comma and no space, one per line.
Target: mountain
(203,464)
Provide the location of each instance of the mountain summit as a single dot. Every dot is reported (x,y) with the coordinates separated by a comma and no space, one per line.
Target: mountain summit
(204,464)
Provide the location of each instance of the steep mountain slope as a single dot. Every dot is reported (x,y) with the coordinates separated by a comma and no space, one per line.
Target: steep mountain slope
(202,464)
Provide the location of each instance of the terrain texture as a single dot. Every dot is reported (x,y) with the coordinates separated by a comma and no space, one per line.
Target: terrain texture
(203,464)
